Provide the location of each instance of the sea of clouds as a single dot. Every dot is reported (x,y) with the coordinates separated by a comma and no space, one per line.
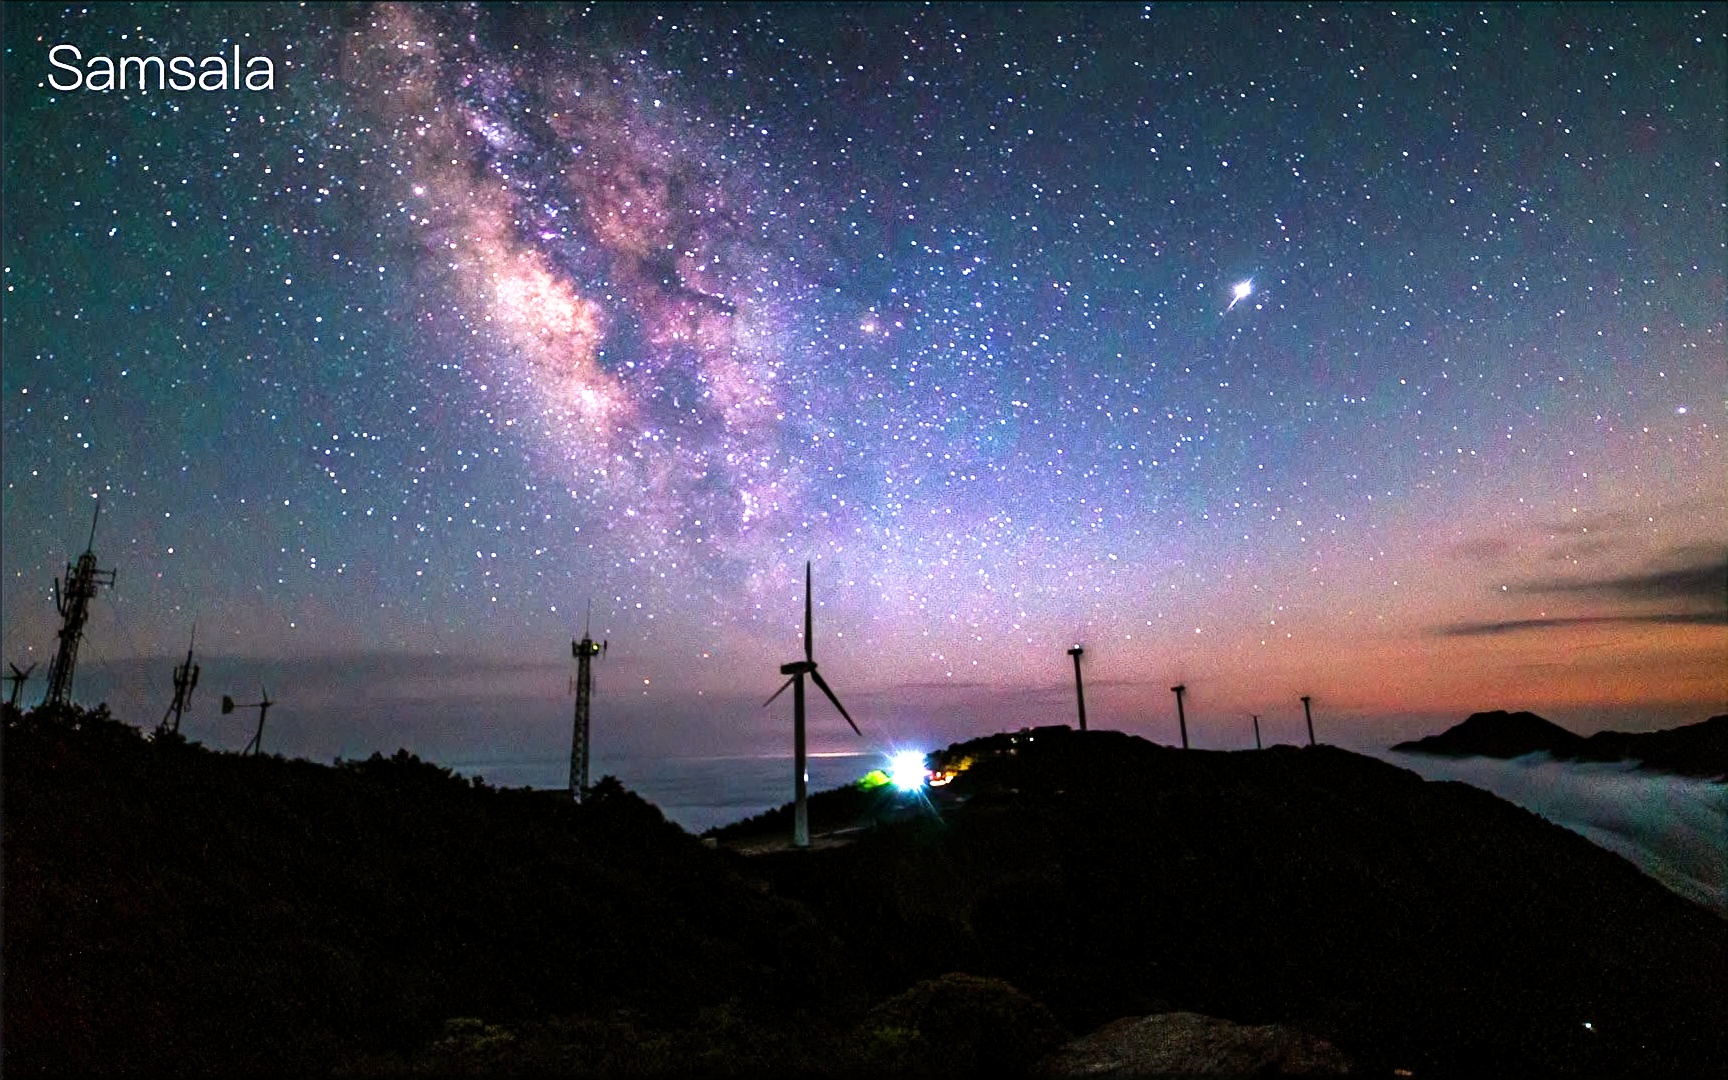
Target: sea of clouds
(1674,828)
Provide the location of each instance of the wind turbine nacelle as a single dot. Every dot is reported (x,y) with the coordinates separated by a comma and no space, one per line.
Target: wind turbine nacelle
(798,667)
(227,704)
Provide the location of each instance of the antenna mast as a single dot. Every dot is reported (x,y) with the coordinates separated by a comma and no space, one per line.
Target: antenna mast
(72,600)
(584,651)
(185,680)
(1079,690)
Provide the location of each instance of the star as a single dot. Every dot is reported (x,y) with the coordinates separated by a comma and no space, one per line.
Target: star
(1240,291)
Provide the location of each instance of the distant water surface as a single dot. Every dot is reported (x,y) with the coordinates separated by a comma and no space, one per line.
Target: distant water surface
(697,793)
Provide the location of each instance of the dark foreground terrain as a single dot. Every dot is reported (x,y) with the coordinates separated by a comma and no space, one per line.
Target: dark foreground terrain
(169,910)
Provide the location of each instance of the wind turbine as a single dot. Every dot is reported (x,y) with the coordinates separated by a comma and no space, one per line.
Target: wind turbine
(1079,689)
(256,746)
(797,670)
(1308,714)
(17,679)
(1181,717)
(1257,745)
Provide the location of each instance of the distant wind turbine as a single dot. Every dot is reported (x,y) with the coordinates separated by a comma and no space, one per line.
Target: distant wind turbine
(797,670)
(1079,688)
(1257,745)
(1308,715)
(256,746)
(18,679)
(1181,717)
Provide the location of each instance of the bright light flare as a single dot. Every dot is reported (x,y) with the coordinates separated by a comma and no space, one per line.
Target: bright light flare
(906,770)
(1240,291)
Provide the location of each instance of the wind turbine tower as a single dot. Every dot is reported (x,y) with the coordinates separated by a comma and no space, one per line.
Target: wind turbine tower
(1308,715)
(185,680)
(584,651)
(256,746)
(1181,717)
(1079,690)
(18,679)
(73,602)
(797,670)
(1257,745)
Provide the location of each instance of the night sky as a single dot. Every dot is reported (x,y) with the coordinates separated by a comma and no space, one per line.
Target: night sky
(1372,353)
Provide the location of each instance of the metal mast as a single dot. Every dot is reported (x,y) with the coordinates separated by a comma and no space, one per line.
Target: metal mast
(1079,690)
(72,600)
(185,680)
(584,651)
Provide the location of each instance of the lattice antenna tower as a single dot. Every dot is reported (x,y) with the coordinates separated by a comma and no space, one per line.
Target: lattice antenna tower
(256,746)
(797,670)
(584,651)
(72,600)
(185,681)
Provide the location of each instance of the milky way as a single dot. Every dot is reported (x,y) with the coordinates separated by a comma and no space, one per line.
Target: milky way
(619,297)
(1371,354)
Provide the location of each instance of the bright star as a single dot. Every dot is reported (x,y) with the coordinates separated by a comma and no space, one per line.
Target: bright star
(1242,290)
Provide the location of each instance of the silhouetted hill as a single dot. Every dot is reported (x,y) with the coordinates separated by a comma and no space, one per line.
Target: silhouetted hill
(1497,734)
(1416,925)
(172,911)
(1699,749)
(1690,750)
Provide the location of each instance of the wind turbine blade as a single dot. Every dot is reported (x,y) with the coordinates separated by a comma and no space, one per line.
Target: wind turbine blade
(778,692)
(809,645)
(819,682)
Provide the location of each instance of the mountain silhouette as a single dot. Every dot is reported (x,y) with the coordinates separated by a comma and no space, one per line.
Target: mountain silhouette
(173,911)
(1699,749)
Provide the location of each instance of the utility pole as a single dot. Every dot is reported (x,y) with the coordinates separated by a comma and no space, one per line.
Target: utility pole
(1181,717)
(1079,690)
(72,600)
(584,651)
(1309,716)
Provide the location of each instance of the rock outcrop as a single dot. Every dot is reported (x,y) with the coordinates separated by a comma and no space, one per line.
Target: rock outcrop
(1188,1044)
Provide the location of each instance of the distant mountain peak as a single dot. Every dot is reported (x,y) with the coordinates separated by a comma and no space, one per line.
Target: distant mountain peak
(1498,734)
(1699,749)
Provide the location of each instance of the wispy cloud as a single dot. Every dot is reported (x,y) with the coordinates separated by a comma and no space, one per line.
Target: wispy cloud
(1513,626)
(1699,580)
(1690,587)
